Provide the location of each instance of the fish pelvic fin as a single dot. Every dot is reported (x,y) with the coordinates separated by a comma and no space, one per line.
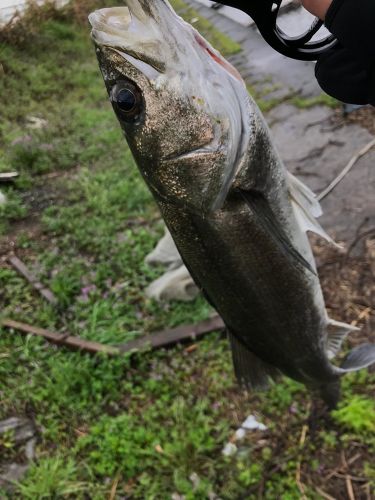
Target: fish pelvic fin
(251,372)
(306,208)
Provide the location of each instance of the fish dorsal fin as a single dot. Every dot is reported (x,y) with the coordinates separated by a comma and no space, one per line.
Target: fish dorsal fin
(306,208)
(336,334)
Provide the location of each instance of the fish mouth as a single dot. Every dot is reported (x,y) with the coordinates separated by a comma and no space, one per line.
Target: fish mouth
(192,154)
(109,24)
(138,23)
(138,29)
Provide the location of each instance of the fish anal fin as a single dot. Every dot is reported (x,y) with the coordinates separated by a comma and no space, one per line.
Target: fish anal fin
(336,334)
(251,372)
(308,223)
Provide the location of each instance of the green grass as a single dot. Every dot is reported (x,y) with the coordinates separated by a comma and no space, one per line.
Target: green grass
(266,103)
(219,40)
(320,100)
(152,422)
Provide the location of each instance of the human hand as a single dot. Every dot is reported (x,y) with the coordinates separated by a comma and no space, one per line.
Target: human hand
(317,7)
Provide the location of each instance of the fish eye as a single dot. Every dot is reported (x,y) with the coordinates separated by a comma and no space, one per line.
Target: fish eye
(127,101)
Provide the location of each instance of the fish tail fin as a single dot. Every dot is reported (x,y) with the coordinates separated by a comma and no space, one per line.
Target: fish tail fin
(360,357)
(251,372)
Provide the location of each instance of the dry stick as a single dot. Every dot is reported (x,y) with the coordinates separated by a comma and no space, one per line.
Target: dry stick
(155,340)
(300,485)
(324,494)
(349,488)
(113,491)
(8,176)
(24,271)
(348,481)
(61,339)
(172,336)
(345,171)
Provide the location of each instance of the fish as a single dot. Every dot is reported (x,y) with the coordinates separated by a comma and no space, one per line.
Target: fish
(238,218)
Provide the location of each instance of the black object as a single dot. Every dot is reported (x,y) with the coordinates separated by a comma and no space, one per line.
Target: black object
(347,71)
(265,12)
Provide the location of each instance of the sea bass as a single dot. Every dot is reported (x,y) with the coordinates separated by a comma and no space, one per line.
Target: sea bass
(238,218)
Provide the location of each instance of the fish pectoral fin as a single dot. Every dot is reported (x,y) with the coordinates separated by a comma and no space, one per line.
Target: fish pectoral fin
(336,334)
(251,372)
(262,210)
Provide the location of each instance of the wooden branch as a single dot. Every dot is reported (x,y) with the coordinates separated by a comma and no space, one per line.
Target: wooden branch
(20,267)
(8,176)
(173,336)
(155,340)
(61,338)
(346,170)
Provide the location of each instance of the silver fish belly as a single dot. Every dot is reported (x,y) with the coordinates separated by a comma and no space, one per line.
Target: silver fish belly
(238,218)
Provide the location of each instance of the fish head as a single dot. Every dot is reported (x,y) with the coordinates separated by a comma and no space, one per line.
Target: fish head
(183,108)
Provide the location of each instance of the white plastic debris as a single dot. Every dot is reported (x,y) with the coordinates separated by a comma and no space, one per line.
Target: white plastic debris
(2,199)
(252,424)
(173,285)
(176,283)
(240,434)
(165,253)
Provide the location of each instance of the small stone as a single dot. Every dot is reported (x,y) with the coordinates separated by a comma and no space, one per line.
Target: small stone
(22,429)
(177,496)
(30,449)
(229,450)
(195,479)
(12,473)
(36,123)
